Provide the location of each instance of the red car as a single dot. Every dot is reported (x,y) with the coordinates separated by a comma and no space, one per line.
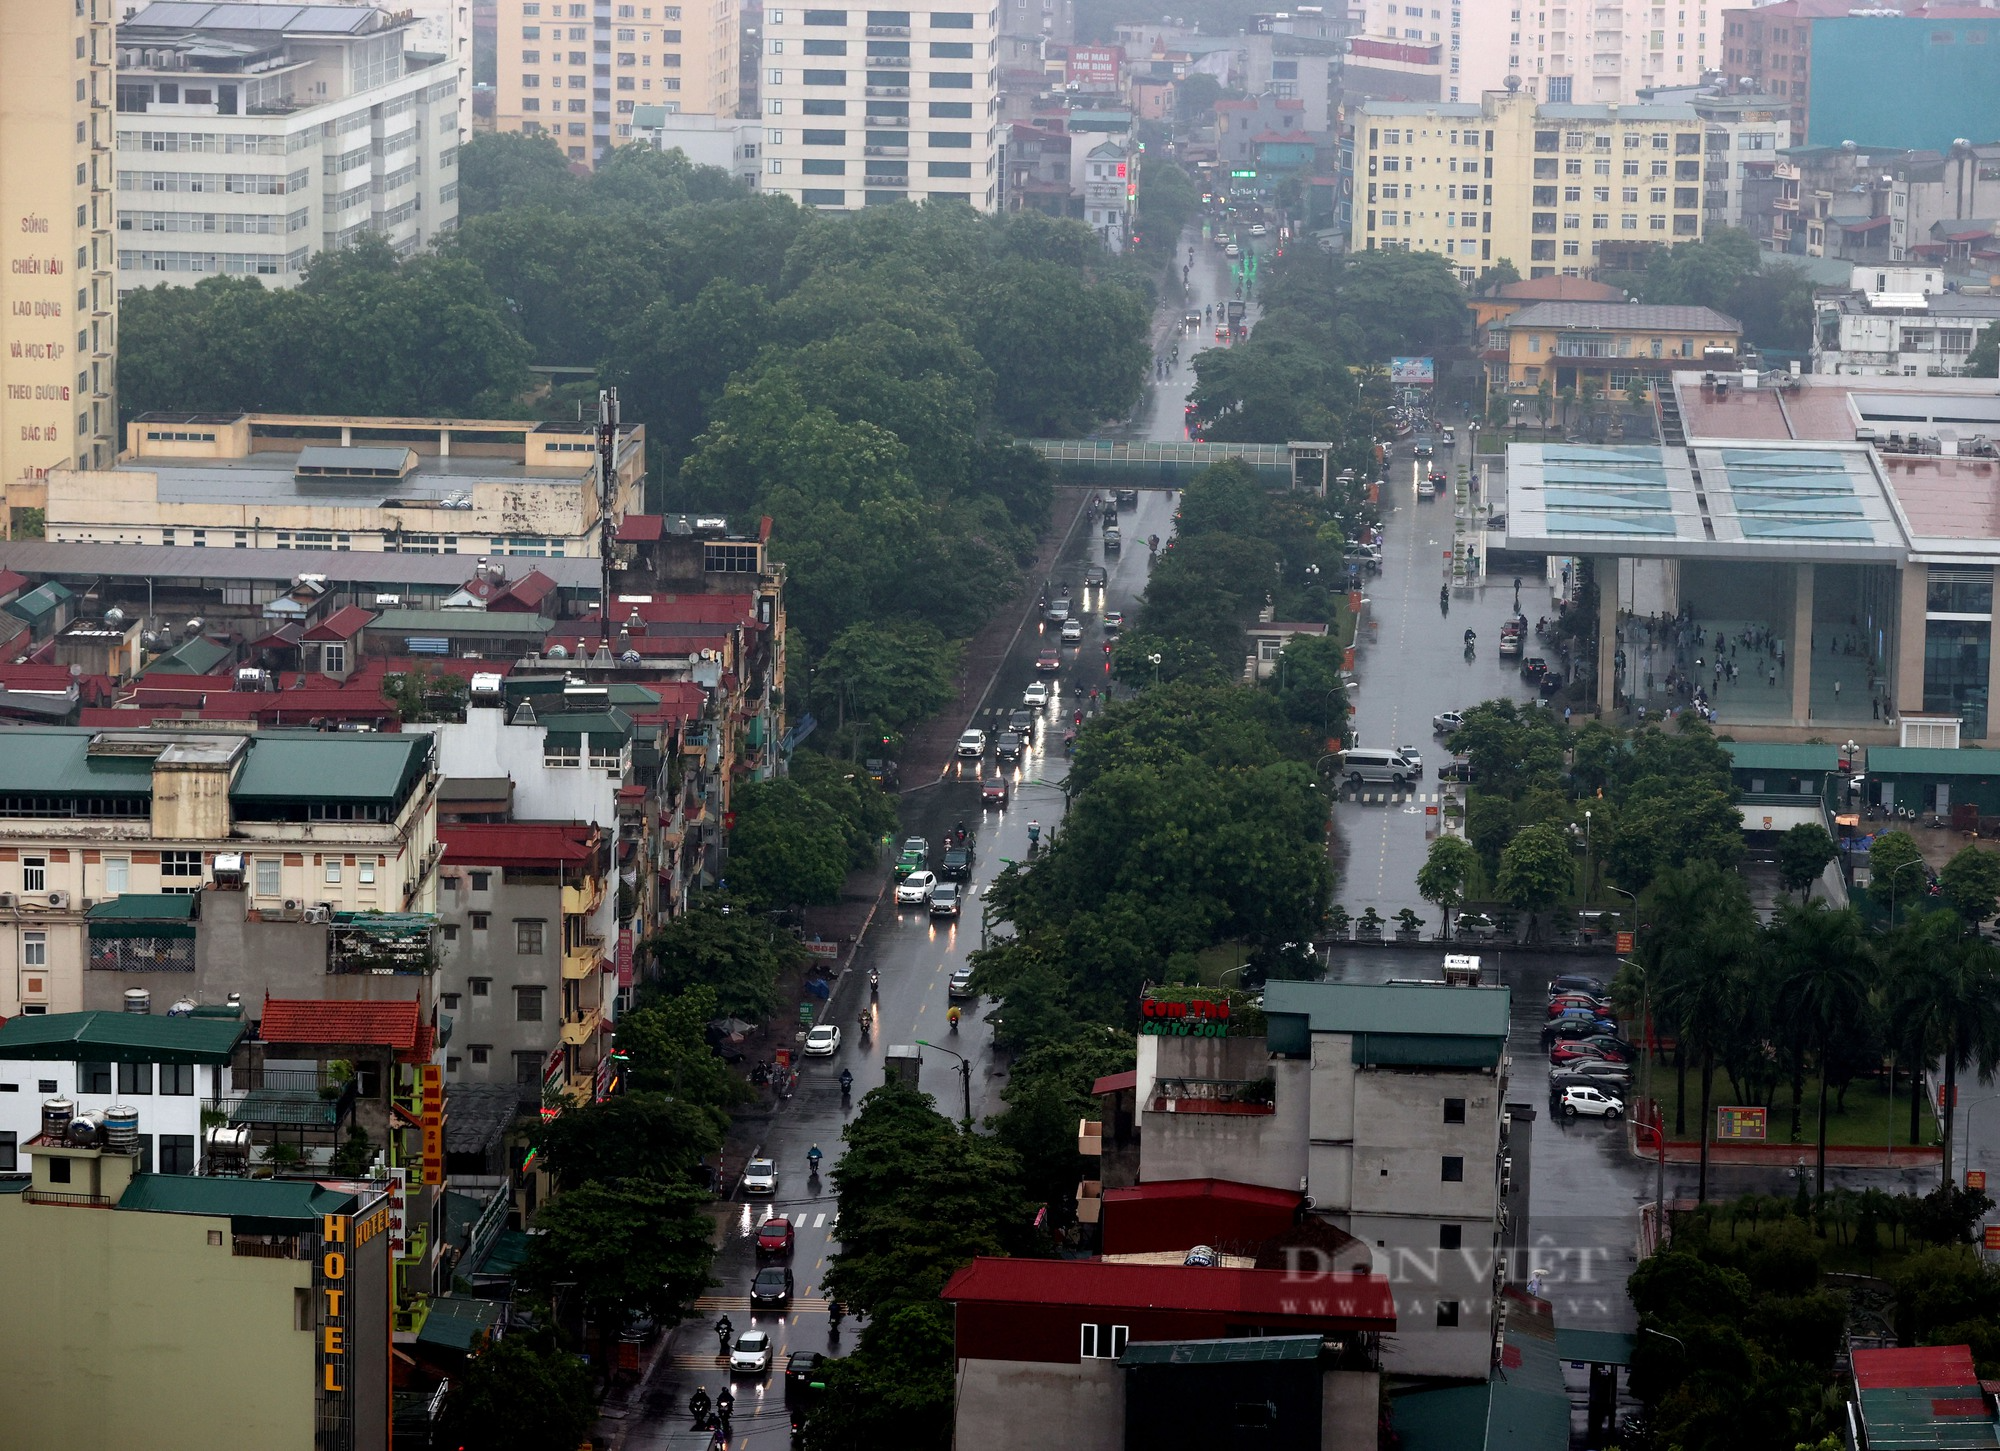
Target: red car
(1049,662)
(1574,1052)
(993,791)
(774,1236)
(1570,1002)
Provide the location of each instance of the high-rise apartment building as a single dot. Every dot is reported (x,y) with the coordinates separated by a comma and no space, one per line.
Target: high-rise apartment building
(1479,42)
(1555,189)
(865,107)
(1593,52)
(58,304)
(577,72)
(252,136)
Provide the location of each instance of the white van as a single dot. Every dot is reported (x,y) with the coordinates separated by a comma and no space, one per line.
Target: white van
(1398,767)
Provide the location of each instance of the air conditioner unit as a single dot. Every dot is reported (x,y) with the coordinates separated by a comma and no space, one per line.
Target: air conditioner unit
(6,899)
(59,901)
(292,904)
(319,914)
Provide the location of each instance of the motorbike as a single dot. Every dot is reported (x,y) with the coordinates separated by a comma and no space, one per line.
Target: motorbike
(874,984)
(846,1082)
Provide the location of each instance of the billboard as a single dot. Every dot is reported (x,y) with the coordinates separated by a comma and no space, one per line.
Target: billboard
(1094,67)
(1741,1124)
(1412,372)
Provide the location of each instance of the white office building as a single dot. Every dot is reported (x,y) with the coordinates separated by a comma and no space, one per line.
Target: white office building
(252,136)
(1899,320)
(869,107)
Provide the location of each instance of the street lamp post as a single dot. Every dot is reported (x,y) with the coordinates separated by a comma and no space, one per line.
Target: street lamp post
(1154,660)
(964,1075)
(1913,862)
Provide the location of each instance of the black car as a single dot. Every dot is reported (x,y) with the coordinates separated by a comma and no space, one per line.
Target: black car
(1008,747)
(1022,722)
(1094,576)
(1575,1030)
(772,1289)
(957,865)
(1576,984)
(1550,685)
(1128,498)
(803,1367)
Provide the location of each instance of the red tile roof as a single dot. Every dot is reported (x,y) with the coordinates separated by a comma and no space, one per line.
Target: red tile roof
(517,843)
(688,609)
(1268,1296)
(525,593)
(1115,1082)
(1919,1367)
(343,624)
(1560,289)
(641,528)
(321,1021)
(11,583)
(1191,1190)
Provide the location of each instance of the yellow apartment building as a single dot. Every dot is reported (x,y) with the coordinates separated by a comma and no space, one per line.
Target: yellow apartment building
(1558,190)
(58,294)
(404,485)
(577,72)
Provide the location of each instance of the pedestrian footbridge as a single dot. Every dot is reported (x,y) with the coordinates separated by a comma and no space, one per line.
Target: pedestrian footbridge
(1170,465)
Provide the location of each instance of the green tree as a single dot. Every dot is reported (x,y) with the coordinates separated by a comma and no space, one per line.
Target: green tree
(1895,870)
(1803,853)
(510,171)
(666,1050)
(624,1245)
(1502,272)
(787,848)
(518,1393)
(738,954)
(1489,826)
(1536,869)
(630,1136)
(1823,967)
(1984,359)
(1971,882)
(1950,1004)
(422,692)
(1025,318)
(1442,878)
(1703,985)
(896,1389)
(892,673)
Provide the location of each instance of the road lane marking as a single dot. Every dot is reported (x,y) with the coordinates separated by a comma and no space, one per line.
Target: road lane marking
(820,1221)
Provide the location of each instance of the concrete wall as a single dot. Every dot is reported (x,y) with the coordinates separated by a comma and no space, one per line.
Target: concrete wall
(22,1095)
(138,1330)
(1350,1409)
(1080,1407)
(491,1020)
(1268,1149)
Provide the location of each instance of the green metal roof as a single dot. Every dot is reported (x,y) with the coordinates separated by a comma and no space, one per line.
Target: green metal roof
(198,656)
(1931,761)
(1222,1352)
(107,1037)
(40,600)
(509,1253)
(145,907)
(455,1321)
(593,723)
(274,1201)
(52,761)
(460,622)
(1595,1347)
(1416,1009)
(1772,756)
(319,765)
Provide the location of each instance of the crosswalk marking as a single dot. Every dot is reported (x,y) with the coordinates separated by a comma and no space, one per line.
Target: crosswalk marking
(718,1304)
(819,1222)
(1391,798)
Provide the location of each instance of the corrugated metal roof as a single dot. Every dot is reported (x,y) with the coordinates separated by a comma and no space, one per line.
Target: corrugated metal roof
(120,1038)
(1429,1010)
(341,567)
(314,765)
(1776,756)
(52,761)
(1931,761)
(198,656)
(458,622)
(1923,1398)
(1622,316)
(1351,1301)
(456,1321)
(326,1021)
(517,843)
(1187,1189)
(144,907)
(289,1201)
(1222,1352)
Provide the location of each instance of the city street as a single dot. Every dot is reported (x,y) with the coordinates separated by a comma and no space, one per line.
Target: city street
(1160,416)
(915,957)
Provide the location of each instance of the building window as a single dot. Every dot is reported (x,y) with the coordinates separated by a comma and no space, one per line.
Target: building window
(529,933)
(176,1153)
(34,949)
(93,1078)
(333,874)
(1450,1235)
(59,1171)
(481,921)
(1104,1342)
(527,1005)
(177,1081)
(449,1002)
(9,1151)
(1454,1169)
(1447,1314)
(180,872)
(135,1078)
(562,755)
(34,874)
(481,1052)
(366,874)
(270,876)
(481,987)
(481,881)
(1454,1110)
(117,874)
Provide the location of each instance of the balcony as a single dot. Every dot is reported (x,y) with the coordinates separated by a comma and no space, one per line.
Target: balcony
(1214,1095)
(581,901)
(886,30)
(872,179)
(288,1098)
(886,90)
(889,62)
(578,1031)
(885,151)
(887,123)
(69,1201)
(584,960)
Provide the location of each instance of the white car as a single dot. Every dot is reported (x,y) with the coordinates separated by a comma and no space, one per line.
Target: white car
(972,744)
(1232,250)
(1059,611)
(752,1355)
(823,1041)
(1072,631)
(1446,721)
(1257,229)
(761,1177)
(1592,1102)
(1036,696)
(915,889)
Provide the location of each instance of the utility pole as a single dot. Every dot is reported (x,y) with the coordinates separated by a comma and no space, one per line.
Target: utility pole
(964,1076)
(607,496)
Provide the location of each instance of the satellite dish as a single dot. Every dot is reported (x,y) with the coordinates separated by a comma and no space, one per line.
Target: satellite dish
(557,652)
(694,658)
(631,657)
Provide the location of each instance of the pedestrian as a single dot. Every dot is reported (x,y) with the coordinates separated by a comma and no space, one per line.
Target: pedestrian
(1566,712)
(1836,691)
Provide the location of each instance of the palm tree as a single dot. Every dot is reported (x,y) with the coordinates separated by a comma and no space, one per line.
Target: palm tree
(1706,980)
(1820,959)
(1951,1006)
(1910,951)
(1680,900)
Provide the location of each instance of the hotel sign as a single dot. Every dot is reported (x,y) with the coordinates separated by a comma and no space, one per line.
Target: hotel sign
(1197,1018)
